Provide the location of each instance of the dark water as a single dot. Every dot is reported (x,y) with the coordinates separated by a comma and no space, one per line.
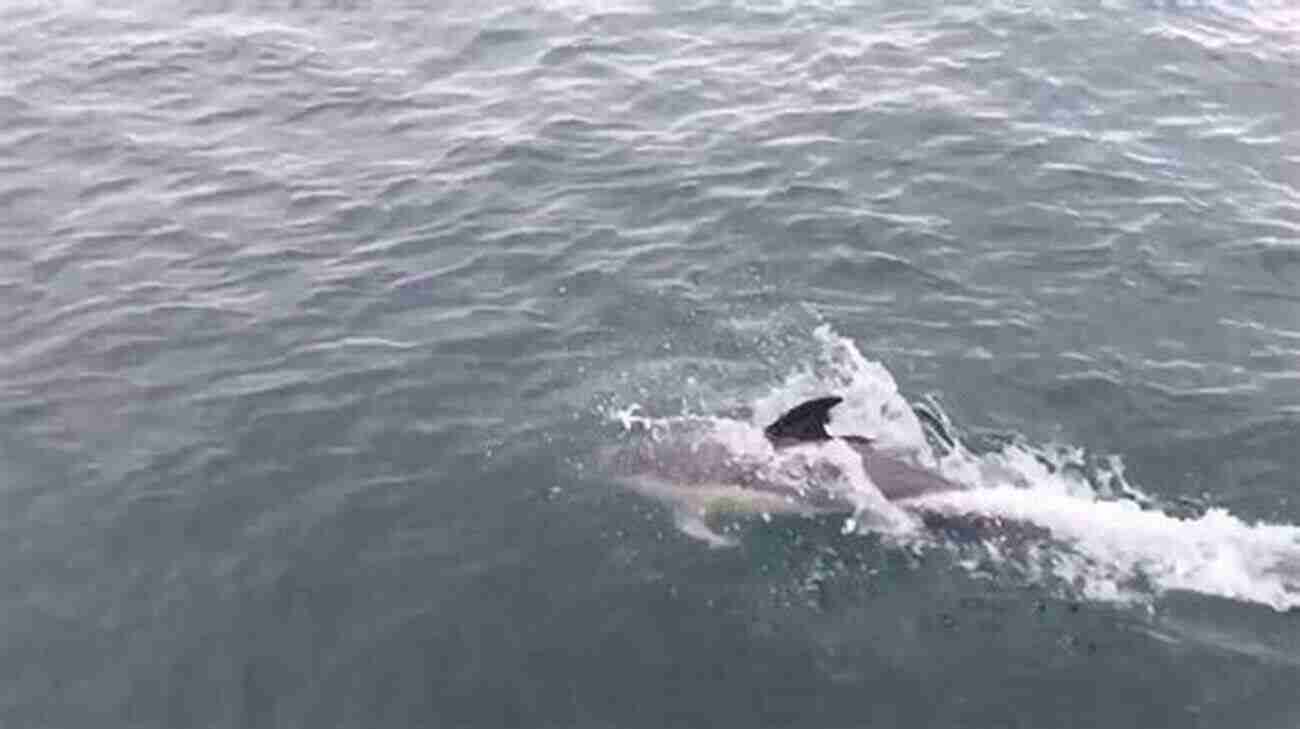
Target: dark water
(312,314)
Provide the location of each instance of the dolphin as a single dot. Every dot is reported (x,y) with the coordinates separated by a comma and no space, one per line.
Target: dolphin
(699,476)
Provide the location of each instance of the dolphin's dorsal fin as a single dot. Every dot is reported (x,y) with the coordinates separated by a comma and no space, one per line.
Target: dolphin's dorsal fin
(804,422)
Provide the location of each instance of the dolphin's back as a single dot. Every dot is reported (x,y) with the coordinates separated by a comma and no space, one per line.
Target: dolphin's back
(900,479)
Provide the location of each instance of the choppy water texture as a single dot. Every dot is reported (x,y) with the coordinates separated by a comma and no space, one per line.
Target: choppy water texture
(312,316)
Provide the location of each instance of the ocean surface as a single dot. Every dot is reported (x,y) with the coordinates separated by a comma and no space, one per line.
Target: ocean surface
(315,314)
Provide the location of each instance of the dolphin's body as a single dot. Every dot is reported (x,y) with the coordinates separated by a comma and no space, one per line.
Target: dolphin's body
(700,477)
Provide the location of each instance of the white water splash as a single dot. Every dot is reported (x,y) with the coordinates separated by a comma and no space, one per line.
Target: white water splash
(1116,550)
(1096,534)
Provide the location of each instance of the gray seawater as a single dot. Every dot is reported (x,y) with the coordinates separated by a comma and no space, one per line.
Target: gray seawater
(313,313)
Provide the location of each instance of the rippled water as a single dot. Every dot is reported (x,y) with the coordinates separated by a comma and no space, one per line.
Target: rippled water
(312,315)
